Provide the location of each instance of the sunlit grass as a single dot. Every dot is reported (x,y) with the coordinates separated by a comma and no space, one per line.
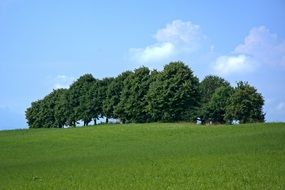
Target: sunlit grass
(144,156)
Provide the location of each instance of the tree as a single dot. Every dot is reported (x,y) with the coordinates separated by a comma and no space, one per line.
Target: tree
(119,108)
(76,102)
(245,105)
(59,109)
(113,94)
(102,95)
(209,85)
(207,88)
(132,105)
(94,106)
(216,107)
(44,113)
(66,107)
(33,116)
(83,111)
(174,94)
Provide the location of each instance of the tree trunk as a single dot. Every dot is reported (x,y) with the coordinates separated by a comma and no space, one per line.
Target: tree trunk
(95,122)
(107,120)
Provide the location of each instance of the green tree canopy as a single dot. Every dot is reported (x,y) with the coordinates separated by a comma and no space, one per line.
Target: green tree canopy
(45,113)
(103,86)
(113,95)
(174,93)
(245,105)
(132,105)
(216,107)
(33,116)
(76,102)
(207,88)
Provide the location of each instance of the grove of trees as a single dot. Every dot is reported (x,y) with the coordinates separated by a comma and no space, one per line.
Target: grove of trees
(145,95)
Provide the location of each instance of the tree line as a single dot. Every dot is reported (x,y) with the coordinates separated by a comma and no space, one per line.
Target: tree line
(143,95)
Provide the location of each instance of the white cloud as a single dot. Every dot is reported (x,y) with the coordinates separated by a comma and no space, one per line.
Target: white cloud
(260,47)
(179,32)
(280,106)
(176,38)
(263,46)
(62,81)
(154,52)
(226,65)
(58,86)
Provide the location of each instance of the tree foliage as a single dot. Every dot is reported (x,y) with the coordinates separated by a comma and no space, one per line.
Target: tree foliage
(76,101)
(207,88)
(173,94)
(113,95)
(45,113)
(245,105)
(132,105)
(216,107)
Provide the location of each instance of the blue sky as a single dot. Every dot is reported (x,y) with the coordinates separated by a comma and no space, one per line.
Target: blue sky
(48,44)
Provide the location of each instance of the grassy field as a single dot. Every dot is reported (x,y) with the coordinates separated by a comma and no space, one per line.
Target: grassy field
(144,156)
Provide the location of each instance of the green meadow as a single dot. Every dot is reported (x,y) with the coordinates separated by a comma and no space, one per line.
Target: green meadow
(145,156)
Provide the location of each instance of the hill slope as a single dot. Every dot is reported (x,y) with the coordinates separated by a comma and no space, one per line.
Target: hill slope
(147,156)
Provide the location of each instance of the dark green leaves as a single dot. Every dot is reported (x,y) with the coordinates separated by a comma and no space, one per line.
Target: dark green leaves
(245,104)
(171,95)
